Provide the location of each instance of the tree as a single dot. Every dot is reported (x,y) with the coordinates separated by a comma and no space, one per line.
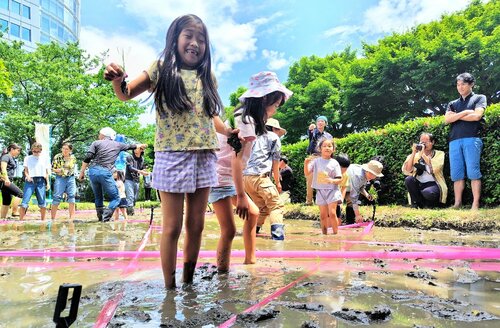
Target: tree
(55,85)
(5,82)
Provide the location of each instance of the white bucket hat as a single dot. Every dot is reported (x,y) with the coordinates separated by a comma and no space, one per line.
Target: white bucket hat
(264,83)
(374,167)
(272,122)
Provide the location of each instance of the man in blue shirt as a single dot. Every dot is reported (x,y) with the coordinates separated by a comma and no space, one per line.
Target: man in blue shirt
(465,115)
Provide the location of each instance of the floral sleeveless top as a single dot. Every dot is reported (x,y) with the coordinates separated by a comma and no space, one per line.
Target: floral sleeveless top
(187,131)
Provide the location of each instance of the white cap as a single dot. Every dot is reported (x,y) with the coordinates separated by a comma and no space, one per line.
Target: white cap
(108,133)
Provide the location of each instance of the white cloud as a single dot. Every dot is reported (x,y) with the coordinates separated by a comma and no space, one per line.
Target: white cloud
(136,53)
(398,16)
(232,42)
(276,60)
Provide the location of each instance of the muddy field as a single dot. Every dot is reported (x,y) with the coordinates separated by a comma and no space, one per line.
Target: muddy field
(309,280)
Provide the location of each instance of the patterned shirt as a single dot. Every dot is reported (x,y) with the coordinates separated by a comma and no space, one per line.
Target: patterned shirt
(67,165)
(189,130)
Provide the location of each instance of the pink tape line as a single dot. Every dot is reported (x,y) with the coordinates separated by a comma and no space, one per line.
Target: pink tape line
(133,263)
(109,308)
(108,311)
(488,254)
(269,298)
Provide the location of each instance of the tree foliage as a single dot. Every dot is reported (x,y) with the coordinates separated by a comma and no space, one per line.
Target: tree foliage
(64,87)
(402,76)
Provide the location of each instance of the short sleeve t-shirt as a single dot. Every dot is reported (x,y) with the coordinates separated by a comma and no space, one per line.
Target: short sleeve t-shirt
(225,154)
(189,130)
(323,169)
(37,165)
(11,165)
(466,129)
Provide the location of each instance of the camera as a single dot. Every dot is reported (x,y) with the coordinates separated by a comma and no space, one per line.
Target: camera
(420,146)
(420,166)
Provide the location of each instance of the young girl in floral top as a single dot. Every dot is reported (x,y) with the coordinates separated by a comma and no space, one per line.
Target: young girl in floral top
(187,107)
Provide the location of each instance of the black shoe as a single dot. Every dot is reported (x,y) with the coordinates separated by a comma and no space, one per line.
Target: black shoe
(257,229)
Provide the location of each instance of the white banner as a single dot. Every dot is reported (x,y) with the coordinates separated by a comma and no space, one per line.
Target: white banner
(42,135)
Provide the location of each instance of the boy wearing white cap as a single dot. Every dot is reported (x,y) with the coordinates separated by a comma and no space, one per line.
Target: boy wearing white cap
(100,159)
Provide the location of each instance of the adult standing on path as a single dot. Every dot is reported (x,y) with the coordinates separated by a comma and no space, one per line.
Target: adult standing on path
(465,115)
(134,169)
(100,159)
(10,192)
(63,165)
(315,133)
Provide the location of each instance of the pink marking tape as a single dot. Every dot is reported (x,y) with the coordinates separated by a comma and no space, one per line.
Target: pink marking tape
(108,311)
(133,263)
(269,298)
(489,254)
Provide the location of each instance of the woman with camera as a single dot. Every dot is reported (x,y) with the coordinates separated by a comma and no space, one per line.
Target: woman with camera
(424,170)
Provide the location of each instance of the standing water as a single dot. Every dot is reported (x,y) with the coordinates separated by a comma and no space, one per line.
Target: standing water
(392,277)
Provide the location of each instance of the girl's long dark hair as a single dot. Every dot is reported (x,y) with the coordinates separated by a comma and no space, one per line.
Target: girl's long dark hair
(170,89)
(256,108)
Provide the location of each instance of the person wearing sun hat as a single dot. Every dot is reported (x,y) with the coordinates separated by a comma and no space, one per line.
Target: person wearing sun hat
(359,175)
(274,124)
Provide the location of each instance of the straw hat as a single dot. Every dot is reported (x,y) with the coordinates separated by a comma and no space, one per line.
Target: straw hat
(272,122)
(108,133)
(264,83)
(374,167)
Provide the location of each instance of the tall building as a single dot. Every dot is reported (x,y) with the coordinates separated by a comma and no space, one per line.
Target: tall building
(40,21)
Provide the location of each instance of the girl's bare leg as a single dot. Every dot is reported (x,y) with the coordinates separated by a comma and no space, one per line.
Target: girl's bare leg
(195,221)
(224,212)
(171,210)
(249,236)
(71,210)
(323,217)
(332,209)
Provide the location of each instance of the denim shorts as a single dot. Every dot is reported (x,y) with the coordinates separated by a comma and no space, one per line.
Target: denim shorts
(64,185)
(219,193)
(465,157)
(37,187)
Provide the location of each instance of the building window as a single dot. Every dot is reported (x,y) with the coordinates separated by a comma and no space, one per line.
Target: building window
(26,12)
(45,4)
(44,38)
(26,34)
(45,24)
(16,7)
(4,4)
(15,30)
(3,25)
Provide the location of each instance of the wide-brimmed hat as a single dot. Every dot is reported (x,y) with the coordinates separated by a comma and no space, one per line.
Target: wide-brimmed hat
(264,83)
(108,132)
(374,167)
(272,122)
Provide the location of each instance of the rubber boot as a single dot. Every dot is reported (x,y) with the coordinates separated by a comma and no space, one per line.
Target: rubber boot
(130,210)
(99,211)
(277,232)
(107,214)
(350,216)
(257,229)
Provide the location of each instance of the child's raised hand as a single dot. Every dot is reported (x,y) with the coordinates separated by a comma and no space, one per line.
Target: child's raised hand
(114,72)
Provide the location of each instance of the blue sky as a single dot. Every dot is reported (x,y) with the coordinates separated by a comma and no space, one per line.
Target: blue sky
(249,36)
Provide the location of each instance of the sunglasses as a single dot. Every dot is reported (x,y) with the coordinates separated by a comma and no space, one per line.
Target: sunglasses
(36,151)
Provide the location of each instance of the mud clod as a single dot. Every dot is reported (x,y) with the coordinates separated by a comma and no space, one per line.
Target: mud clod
(257,316)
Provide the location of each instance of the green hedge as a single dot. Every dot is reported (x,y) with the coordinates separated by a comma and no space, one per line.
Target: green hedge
(393,142)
